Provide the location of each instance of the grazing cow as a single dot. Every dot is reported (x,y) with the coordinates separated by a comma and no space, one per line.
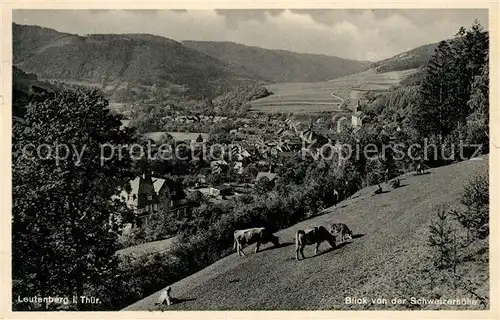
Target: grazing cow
(396,183)
(341,230)
(165,296)
(378,190)
(246,237)
(310,236)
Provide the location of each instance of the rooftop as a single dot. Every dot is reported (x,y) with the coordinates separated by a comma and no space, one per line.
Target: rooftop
(268,175)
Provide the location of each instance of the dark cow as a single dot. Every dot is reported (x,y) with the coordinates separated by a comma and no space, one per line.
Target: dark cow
(341,230)
(246,237)
(396,183)
(311,236)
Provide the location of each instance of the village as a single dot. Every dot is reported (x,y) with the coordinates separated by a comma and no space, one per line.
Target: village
(258,146)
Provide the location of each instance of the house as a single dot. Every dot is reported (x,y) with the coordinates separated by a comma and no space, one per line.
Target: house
(268,175)
(310,136)
(241,187)
(221,190)
(238,166)
(202,189)
(357,116)
(156,137)
(190,137)
(218,166)
(286,154)
(125,123)
(147,195)
(357,119)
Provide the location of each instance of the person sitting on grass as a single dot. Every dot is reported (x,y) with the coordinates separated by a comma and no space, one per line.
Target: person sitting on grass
(378,190)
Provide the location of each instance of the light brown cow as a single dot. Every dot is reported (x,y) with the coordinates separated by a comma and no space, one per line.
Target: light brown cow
(341,230)
(311,236)
(246,237)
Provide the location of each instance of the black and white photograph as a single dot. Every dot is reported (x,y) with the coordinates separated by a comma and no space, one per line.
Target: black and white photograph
(309,159)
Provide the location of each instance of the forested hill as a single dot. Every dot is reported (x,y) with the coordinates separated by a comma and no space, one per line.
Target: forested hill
(415,58)
(279,65)
(124,64)
(120,61)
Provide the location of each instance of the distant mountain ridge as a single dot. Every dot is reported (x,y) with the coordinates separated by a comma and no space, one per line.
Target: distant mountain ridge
(118,61)
(124,64)
(278,65)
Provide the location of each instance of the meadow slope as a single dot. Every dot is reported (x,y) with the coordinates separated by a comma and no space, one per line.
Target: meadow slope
(391,231)
(327,96)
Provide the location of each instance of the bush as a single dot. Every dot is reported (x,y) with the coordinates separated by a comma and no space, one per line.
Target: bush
(475,198)
(161,225)
(443,236)
(263,186)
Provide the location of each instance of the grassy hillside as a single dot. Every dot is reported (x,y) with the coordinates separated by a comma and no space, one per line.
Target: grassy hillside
(278,65)
(129,61)
(388,257)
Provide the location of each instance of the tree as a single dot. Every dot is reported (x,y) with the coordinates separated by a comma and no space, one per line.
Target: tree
(476,213)
(470,48)
(478,120)
(65,224)
(263,186)
(161,225)
(443,238)
(432,116)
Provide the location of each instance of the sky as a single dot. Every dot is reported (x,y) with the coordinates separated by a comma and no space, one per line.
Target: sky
(347,33)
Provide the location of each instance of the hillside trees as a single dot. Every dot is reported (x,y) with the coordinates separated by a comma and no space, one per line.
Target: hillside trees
(478,120)
(452,107)
(469,57)
(475,201)
(432,116)
(64,223)
(235,102)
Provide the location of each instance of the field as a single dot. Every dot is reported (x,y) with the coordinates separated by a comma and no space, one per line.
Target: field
(327,96)
(311,97)
(391,230)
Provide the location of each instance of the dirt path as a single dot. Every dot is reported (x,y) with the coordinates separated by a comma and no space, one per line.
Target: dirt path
(390,231)
(342,101)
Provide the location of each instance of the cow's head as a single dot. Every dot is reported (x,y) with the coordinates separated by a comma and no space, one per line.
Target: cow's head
(332,237)
(349,234)
(275,240)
